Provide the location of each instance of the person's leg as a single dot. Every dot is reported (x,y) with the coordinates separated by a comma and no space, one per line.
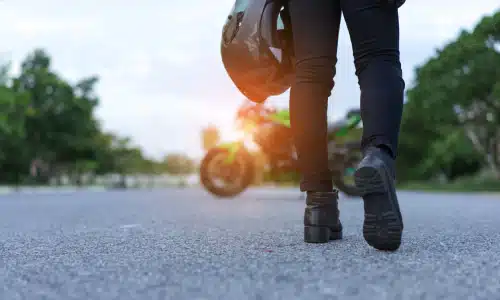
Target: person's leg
(374,32)
(315,25)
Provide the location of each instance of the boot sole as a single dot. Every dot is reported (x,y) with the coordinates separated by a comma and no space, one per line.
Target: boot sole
(381,229)
(320,234)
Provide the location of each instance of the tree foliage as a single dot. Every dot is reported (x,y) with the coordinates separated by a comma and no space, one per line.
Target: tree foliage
(48,128)
(178,164)
(451,123)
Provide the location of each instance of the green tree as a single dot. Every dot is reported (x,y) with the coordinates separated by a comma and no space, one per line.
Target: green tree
(55,130)
(149,167)
(4,74)
(126,158)
(452,116)
(14,107)
(178,164)
(50,123)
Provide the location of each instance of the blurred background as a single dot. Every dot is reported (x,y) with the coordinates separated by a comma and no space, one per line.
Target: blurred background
(115,94)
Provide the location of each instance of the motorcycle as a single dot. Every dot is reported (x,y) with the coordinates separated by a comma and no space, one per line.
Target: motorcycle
(228,169)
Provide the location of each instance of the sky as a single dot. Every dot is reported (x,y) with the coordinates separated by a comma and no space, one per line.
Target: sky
(161,75)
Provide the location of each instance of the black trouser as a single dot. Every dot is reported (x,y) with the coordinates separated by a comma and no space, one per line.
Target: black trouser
(374,32)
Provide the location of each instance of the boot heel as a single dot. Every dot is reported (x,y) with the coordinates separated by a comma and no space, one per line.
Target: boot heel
(316,234)
(336,235)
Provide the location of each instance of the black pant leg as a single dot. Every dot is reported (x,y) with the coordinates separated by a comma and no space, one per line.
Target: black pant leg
(374,32)
(315,25)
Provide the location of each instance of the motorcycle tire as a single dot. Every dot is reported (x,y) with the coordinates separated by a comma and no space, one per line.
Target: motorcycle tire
(206,178)
(349,190)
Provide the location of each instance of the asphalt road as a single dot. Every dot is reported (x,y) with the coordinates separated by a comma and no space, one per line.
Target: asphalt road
(184,244)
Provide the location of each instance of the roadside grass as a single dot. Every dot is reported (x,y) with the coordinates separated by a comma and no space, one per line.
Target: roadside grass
(461,185)
(470,184)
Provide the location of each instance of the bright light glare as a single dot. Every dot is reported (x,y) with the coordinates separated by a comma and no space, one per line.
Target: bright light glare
(233,134)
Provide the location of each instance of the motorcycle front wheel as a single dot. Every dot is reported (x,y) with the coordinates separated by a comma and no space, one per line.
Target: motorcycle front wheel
(225,179)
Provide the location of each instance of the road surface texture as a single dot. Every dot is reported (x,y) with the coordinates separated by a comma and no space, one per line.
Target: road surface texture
(185,244)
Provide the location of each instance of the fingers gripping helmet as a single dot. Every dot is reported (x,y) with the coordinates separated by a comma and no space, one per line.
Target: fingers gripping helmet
(257,48)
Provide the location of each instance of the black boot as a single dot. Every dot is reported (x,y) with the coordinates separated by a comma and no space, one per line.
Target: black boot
(383,225)
(321,218)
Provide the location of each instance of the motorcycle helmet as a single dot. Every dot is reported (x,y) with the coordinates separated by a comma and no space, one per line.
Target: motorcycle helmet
(257,48)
